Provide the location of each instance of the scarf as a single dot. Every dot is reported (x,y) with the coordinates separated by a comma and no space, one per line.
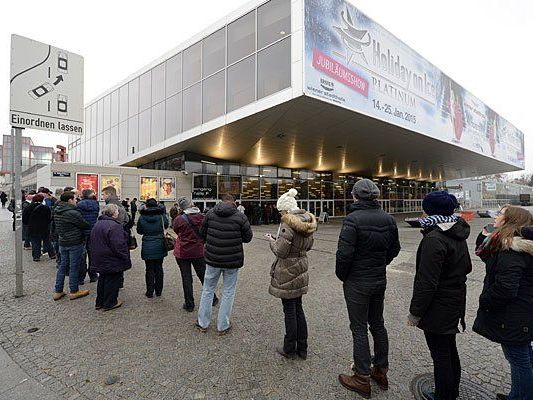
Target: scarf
(434,220)
(484,251)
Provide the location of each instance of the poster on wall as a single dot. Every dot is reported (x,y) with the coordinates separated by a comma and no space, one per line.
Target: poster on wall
(167,189)
(87,181)
(112,180)
(353,62)
(148,188)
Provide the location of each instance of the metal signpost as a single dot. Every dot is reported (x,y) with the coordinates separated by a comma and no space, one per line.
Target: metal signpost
(46,93)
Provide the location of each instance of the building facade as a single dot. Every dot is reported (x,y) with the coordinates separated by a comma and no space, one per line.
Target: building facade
(31,154)
(310,94)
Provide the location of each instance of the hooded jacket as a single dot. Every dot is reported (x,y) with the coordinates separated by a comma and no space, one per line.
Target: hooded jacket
(123,217)
(224,231)
(442,265)
(289,270)
(89,209)
(505,313)
(37,217)
(69,224)
(368,242)
(109,247)
(189,243)
(151,225)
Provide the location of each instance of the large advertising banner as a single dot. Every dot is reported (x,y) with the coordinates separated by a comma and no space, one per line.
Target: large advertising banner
(167,189)
(112,180)
(353,62)
(148,188)
(87,181)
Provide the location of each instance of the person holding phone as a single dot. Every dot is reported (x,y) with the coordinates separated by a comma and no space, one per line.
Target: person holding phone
(505,313)
(289,275)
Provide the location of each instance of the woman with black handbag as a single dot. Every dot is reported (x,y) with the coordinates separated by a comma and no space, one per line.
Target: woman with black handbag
(151,225)
(189,249)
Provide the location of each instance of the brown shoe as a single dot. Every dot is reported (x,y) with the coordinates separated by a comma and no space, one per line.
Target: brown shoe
(78,294)
(225,331)
(356,383)
(58,296)
(200,328)
(119,303)
(379,375)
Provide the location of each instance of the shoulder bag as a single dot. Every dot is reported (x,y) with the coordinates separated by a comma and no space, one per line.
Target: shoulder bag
(170,241)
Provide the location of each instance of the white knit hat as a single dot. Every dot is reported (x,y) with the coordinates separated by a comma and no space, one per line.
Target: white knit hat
(287,201)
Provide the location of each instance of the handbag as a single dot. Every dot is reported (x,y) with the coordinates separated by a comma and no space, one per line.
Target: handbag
(170,241)
(132,242)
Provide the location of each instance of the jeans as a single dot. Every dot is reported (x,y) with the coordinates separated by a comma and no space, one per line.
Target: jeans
(446,365)
(295,340)
(211,278)
(520,359)
(107,290)
(365,308)
(85,263)
(36,246)
(70,261)
(154,277)
(186,277)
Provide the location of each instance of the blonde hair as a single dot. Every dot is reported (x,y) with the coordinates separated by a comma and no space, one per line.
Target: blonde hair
(514,219)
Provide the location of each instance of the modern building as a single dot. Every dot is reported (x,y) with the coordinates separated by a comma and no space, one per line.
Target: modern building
(31,154)
(310,94)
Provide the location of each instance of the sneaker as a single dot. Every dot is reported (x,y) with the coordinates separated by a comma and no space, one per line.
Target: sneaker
(119,304)
(225,331)
(78,294)
(199,328)
(58,296)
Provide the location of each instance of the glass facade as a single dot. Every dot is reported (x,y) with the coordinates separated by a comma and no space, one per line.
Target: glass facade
(246,60)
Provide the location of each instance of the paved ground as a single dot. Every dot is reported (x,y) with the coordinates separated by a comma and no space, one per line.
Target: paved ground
(151,346)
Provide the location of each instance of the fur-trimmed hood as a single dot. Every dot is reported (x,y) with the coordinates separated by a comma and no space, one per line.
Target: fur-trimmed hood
(522,245)
(301,221)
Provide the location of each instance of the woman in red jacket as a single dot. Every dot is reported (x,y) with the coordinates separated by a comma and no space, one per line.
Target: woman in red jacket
(189,248)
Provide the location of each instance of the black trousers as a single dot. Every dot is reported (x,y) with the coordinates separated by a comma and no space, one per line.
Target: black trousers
(107,289)
(186,277)
(85,263)
(295,326)
(154,277)
(446,365)
(365,309)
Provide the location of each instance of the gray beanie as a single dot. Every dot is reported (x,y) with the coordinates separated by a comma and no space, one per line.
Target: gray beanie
(184,203)
(365,189)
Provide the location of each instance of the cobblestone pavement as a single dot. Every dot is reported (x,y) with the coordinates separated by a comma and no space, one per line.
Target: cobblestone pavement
(151,346)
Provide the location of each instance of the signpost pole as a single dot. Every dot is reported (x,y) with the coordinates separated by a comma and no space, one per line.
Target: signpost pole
(12,175)
(18,221)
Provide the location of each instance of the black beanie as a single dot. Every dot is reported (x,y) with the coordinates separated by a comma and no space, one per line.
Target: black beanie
(440,203)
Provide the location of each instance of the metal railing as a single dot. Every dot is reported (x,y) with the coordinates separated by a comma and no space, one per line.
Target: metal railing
(401,205)
(496,203)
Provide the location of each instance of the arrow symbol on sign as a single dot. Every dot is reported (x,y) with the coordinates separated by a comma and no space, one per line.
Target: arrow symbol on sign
(59,78)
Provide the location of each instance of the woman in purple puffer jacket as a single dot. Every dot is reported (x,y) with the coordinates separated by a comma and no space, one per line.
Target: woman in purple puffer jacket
(110,257)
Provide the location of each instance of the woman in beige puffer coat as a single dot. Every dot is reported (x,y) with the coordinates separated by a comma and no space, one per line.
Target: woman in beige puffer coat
(290,279)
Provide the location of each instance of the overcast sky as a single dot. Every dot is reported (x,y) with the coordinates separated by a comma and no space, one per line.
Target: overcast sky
(485,45)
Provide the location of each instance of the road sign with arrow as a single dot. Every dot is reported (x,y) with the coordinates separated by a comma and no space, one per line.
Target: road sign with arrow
(46,87)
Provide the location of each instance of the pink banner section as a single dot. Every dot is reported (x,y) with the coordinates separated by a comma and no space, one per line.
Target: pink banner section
(339,72)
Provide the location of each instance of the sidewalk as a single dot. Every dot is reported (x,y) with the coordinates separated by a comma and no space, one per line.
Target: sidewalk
(16,384)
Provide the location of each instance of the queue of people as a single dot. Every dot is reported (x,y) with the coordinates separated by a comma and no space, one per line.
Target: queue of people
(212,244)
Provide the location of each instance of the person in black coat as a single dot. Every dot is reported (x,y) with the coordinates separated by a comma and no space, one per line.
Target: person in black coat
(505,313)
(133,208)
(224,231)
(368,242)
(110,257)
(38,218)
(439,291)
